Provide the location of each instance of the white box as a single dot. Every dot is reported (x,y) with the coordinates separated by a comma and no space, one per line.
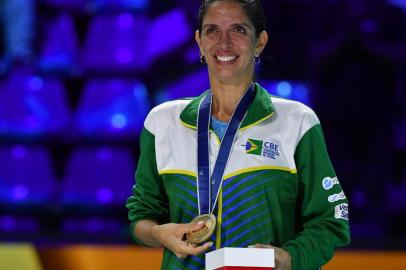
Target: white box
(240,257)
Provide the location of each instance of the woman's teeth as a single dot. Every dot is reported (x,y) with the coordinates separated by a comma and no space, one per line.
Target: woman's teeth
(226,58)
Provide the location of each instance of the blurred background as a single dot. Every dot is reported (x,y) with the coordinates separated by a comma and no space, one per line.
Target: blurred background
(77,78)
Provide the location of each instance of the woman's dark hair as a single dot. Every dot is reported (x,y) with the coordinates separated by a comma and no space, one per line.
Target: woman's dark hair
(253,9)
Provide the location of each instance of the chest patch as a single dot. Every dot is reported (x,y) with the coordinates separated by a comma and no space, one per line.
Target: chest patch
(267,149)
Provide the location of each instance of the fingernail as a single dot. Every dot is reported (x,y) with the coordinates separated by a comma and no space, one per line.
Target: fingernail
(209,244)
(251,246)
(200,222)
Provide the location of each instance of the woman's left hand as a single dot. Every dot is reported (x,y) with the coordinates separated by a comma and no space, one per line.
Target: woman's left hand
(283,261)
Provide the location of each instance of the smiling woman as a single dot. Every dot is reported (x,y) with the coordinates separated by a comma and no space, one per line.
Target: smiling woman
(229,42)
(251,165)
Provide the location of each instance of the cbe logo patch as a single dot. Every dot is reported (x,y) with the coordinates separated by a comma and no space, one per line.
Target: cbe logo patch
(337,197)
(341,211)
(262,148)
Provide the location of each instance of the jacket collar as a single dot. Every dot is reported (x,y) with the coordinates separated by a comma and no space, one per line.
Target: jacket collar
(259,110)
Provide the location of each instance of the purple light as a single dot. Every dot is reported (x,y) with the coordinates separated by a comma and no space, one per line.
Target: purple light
(158,31)
(104,154)
(369,26)
(19,152)
(20,192)
(94,224)
(125,20)
(10,223)
(7,223)
(115,85)
(358,198)
(36,83)
(191,55)
(104,195)
(90,225)
(31,122)
(124,55)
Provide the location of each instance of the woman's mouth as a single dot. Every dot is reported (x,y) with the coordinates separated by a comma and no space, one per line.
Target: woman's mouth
(226,59)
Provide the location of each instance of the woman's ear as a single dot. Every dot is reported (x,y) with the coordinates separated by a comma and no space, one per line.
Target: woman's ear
(197,38)
(261,42)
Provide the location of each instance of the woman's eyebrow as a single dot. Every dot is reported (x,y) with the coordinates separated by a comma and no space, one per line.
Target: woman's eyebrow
(233,25)
(242,24)
(208,25)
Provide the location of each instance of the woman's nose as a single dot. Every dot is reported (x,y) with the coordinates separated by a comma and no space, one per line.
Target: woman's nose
(225,39)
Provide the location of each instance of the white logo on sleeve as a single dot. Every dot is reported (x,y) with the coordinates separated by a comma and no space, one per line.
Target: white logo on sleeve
(341,211)
(337,197)
(329,182)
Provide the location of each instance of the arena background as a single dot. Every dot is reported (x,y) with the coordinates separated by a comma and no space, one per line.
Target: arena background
(77,78)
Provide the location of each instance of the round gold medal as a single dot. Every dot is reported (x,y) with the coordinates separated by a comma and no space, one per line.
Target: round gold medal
(204,233)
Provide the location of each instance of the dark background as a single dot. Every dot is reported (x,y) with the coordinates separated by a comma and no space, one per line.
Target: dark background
(78,77)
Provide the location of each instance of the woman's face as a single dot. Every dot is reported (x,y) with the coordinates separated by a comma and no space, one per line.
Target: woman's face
(228,43)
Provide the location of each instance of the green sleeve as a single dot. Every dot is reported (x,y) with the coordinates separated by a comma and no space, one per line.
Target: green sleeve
(149,199)
(323,214)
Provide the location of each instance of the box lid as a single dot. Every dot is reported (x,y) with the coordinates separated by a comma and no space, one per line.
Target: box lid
(246,257)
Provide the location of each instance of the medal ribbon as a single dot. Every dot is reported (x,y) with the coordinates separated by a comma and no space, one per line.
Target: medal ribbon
(206,184)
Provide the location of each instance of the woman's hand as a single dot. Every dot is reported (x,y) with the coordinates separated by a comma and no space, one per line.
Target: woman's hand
(283,261)
(171,235)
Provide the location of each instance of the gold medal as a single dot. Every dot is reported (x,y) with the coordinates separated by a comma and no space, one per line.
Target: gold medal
(204,233)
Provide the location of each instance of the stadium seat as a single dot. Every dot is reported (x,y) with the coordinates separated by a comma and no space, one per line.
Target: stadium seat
(98,176)
(161,40)
(125,42)
(26,175)
(115,43)
(33,105)
(111,108)
(60,47)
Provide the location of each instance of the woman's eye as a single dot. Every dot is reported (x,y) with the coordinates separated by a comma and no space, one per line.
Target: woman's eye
(211,30)
(239,29)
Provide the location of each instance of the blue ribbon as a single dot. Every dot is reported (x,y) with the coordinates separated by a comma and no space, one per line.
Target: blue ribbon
(208,186)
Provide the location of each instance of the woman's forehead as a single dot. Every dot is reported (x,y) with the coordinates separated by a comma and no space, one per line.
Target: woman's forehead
(223,12)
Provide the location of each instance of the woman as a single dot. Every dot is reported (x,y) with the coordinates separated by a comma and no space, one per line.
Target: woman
(256,163)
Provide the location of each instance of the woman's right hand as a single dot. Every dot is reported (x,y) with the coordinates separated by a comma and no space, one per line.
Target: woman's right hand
(171,235)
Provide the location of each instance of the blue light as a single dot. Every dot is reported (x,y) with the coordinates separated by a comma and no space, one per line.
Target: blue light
(36,107)
(36,83)
(119,121)
(284,89)
(140,92)
(301,93)
(400,3)
(138,3)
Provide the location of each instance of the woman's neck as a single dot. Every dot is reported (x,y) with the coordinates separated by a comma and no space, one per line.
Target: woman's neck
(226,98)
